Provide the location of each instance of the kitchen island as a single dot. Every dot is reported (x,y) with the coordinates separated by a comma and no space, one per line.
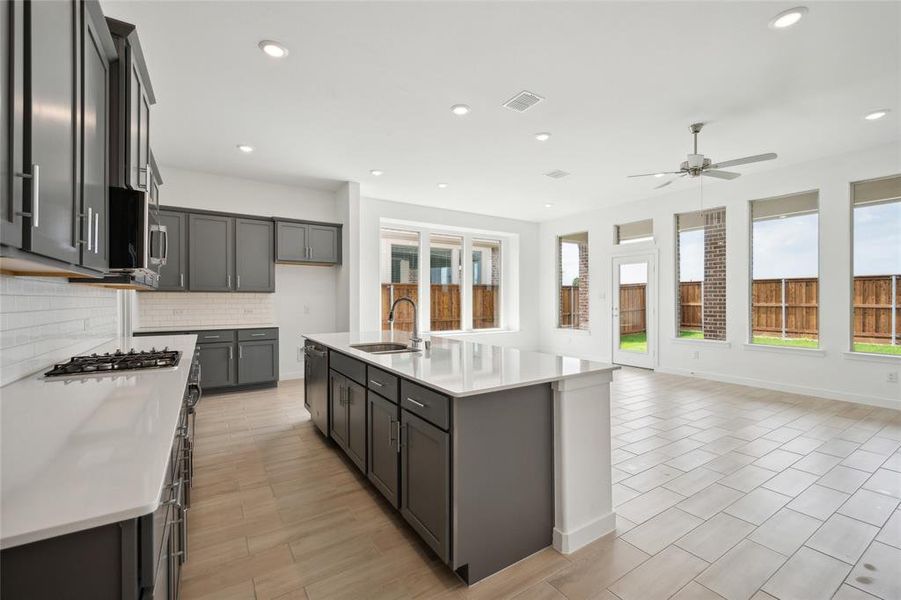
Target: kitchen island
(490,453)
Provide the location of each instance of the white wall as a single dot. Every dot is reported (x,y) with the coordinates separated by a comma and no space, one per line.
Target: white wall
(830,373)
(519,286)
(47,320)
(305,297)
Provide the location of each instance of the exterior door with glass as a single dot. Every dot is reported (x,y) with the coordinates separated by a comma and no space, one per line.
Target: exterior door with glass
(634,311)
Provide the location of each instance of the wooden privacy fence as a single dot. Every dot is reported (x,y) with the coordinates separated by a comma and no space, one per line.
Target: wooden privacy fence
(445,306)
(789,307)
(569,306)
(632,308)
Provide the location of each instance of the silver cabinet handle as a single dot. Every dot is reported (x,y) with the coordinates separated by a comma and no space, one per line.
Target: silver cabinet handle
(240,351)
(228,281)
(231,353)
(90,227)
(96,232)
(35,177)
(419,404)
(181,280)
(376,383)
(174,499)
(257,334)
(239,281)
(211,337)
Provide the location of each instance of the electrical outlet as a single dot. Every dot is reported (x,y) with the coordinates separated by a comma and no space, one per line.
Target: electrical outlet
(696,355)
(892,377)
(306,309)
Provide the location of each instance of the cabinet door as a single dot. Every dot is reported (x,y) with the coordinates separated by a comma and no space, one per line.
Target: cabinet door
(12,104)
(50,193)
(356,424)
(173,275)
(383,459)
(254,265)
(257,362)
(293,242)
(138,157)
(94,119)
(425,481)
(323,243)
(212,254)
(338,408)
(217,365)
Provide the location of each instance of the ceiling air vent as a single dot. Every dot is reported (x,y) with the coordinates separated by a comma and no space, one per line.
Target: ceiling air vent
(557,174)
(523,101)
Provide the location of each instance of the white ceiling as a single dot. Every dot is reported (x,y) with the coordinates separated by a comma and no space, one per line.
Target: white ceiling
(369,85)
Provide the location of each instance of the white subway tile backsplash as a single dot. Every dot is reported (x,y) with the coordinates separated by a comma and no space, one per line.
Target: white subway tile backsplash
(45,320)
(185,310)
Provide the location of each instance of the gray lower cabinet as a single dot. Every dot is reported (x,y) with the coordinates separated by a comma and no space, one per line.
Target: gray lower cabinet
(254,268)
(173,275)
(383,458)
(425,481)
(217,364)
(348,417)
(308,243)
(257,362)
(212,257)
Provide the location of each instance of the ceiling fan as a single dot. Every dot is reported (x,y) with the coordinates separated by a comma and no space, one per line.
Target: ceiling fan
(698,164)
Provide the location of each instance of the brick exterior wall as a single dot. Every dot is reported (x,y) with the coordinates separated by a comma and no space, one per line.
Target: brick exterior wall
(583,286)
(714,290)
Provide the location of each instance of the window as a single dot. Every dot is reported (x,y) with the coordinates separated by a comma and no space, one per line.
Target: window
(701,274)
(486,284)
(446,274)
(572,285)
(785,271)
(635,232)
(876,287)
(399,276)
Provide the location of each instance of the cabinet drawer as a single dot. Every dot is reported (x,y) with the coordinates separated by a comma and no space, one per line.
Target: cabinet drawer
(429,405)
(250,335)
(346,365)
(383,383)
(215,337)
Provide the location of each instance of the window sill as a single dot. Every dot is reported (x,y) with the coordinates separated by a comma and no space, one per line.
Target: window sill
(785,350)
(462,332)
(692,342)
(870,357)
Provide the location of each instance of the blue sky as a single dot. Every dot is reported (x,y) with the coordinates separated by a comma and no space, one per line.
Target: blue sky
(877,239)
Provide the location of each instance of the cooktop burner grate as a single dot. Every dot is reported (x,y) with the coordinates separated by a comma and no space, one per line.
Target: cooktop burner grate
(117,361)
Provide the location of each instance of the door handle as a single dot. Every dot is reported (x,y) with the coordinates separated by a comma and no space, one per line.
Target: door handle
(90,227)
(419,404)
(228,281)
(35,177)
(240,351)
(181,280)
(238,277)
(231,353)
(97,232)
(397,423)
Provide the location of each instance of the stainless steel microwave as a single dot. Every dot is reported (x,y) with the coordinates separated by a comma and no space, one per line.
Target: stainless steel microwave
(137,241)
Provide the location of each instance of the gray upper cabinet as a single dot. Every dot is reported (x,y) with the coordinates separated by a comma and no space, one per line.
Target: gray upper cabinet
(212,258)
(425,481)
(50,198)
(131,99)
(254,267)
(174,274)
(257,362)
(12,107)
(94,135)
(308,243)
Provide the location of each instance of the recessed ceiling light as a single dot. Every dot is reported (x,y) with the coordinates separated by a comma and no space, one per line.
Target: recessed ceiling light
(245,148)
(548,205)
(460,109)
(273,49)
(659,175)
(543,136)
(787,18)
(442,186)
(877,114)
(377,172)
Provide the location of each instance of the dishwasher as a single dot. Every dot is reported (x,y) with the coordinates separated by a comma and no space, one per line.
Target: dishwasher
(315,396)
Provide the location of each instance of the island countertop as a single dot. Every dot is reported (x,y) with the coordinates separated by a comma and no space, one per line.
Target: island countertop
(82,451)
(462,368)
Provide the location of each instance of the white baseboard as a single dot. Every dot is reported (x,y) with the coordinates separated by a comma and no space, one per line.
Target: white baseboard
(784,387)
(569,542)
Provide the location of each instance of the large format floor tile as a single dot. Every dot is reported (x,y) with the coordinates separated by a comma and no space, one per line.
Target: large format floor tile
(741,571)
(807,574)
(877,572)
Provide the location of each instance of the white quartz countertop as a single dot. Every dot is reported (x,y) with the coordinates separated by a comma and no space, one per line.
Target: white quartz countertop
(83,451)
(168,329)
(463,368)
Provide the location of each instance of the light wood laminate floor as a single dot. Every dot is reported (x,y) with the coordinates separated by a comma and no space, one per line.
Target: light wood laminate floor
(722,491)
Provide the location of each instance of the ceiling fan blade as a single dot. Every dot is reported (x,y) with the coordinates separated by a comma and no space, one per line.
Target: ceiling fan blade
(664,184)
(720,174)
(653,174)
(746,160)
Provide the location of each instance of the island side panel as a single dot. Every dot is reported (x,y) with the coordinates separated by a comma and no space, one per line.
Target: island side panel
(503,479)
(582,461)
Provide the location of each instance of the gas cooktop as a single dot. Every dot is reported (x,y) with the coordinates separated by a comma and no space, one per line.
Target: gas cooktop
(117,361)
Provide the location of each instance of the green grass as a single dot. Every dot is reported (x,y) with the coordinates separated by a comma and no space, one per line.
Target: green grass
(691,334)
(878,349)
(634,342)
(790,342)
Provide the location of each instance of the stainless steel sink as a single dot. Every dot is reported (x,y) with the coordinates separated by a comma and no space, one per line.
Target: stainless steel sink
(384,348)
